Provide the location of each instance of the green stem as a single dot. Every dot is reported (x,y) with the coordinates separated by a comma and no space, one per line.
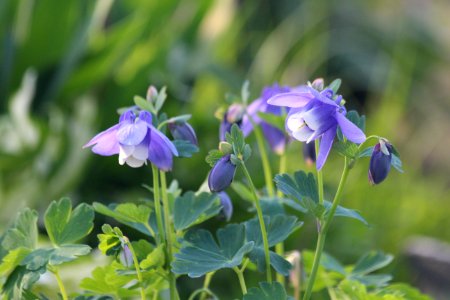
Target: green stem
(279,248)
(206,283)
(156,195)
(60,284)
(169,238)
(240,275)
(136,266)
(323,232)
(261,222)
(319,175)
(264,159)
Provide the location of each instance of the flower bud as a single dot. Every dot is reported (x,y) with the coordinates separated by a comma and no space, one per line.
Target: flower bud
(152,93)
(227,205)
(309,153)
(225,147)
(183,131)
(222,174)
(380,162)
(318,84)
(125,256)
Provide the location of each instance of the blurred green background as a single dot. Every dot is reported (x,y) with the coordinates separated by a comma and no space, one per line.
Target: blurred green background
(66,66)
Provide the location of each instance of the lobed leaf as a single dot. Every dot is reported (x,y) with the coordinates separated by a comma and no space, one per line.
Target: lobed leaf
(267,291)
(23,233)
(65,226)
(191,209)
(185,148)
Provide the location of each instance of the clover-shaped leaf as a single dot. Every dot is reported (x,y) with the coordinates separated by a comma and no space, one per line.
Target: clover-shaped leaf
(278,228)
(191,209)
(201,254)
(267,291)
(65,226)
(23,233)
(300,187)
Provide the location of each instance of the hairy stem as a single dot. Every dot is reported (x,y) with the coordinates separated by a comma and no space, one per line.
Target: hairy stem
(323,232)
(169,238)
(137,268)
(261,221)
(156,195)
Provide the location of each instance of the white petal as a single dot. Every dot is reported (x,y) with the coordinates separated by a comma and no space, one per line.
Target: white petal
(294,122)
(124,153)
(134,162)
(141,151)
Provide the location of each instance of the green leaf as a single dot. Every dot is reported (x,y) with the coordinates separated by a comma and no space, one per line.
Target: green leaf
(275,120)
(12,260)
(278,229)
(23,233)
(335,85)
(266,291)
(236,139)
(302,188)
(161,98)
(242,190)
(110,241)
(404,291)
(371,261)
(40,258)
(185,148)
(131,218)
(106,281)
(345,212)
(346,148)
(272,207)
(65,226)
(191,209)
(245,91)
(201,254)
(213,157)
(154,259)
(142,248)
(144,104)
(19,281)
(396,163)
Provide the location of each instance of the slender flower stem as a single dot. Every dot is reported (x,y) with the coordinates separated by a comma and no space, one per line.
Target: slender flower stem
(265,160)
(319,175)
(156,195)
(261,221)
(62,289)
(323,232)
(240,275)
(169,238)
(279,248)
(206,283)
(136,266)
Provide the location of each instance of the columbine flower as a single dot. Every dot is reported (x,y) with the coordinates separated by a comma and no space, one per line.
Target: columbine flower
(183,131)
(380,162)
(315,114)
(227,205)
(125,256)
(135,139)
(234,115)
(222,174)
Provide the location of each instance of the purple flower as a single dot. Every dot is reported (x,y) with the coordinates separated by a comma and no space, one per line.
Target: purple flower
(135,139)
(227,205)
(125,256)
(183,131)
(315,114)
(380,162)
(222,174)
(234,115)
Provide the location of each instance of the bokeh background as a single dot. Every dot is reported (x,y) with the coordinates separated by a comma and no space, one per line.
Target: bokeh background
(66,66)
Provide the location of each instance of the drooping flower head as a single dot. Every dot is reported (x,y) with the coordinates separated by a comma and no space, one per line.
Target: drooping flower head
(222,174)
(317,114)
(380,162)
(136,140)
(183,131)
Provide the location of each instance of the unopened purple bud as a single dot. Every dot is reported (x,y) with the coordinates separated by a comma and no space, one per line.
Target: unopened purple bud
(126,258)
(221,175)
(235,113)
(309,153)
(318,84)
(152,93)
(183,131)
(227,205)
(380,162)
